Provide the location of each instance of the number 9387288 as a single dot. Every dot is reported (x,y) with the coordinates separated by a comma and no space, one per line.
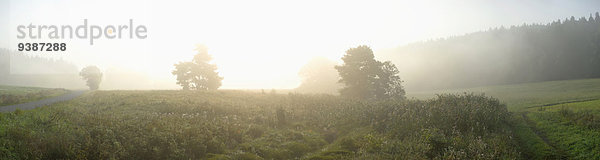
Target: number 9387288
(42,47)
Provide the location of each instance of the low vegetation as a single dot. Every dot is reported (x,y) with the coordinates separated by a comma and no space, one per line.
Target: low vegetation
(562,123)
(550,120)
(522,96)
(10,95)
(573,128)
(242,125)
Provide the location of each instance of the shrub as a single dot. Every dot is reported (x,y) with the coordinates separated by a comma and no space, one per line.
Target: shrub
(468,113)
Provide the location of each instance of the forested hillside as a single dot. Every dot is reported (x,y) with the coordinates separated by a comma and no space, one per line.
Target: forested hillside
(15,62)
(560,50)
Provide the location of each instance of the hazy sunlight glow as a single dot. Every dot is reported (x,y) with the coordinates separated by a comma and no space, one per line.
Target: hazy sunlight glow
(263,44)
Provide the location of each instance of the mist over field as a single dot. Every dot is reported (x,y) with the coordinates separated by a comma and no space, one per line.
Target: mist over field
(317,80)
(566,48)
(266,47)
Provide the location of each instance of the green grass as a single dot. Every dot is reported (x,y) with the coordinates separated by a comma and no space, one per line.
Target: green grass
(531,145)
(244,125)
(14,94)
(520,96)
(591,105)
(541,133)
(17,90)
(573,127)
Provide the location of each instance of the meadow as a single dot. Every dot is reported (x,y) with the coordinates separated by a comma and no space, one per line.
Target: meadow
(14,95)
(572,128)
(551,120)
(521,96)
(244,125)
(547,120)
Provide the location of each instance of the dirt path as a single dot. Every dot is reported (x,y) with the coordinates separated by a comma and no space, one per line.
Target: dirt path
(561,154)
(565,102)
(43,102)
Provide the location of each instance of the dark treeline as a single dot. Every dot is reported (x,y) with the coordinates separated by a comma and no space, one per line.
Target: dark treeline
(563,49)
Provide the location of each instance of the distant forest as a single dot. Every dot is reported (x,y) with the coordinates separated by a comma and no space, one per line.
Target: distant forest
(15,62)
(560,50)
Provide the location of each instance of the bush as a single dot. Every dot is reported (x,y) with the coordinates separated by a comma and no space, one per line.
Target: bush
(465,113)
(468,113)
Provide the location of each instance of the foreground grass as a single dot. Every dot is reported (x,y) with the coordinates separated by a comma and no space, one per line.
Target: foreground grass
(14,95)
(573,127)
(531,145)
(542,133)
(242,125)
(547,122)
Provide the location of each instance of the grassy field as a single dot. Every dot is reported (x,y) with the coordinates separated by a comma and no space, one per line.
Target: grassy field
(547,120)
(244,125)
(551,120)
(14,95)
(574,128)
(521,96)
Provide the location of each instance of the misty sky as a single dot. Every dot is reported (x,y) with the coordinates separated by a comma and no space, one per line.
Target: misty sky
(263,44)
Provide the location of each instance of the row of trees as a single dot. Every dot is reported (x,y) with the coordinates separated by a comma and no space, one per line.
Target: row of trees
(362,76)
(560,50)
(568,49)
(197,74)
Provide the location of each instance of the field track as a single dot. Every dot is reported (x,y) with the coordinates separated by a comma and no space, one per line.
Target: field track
(43,102)
(560,153)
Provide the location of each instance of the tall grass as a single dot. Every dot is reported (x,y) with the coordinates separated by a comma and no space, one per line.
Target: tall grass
(241,125)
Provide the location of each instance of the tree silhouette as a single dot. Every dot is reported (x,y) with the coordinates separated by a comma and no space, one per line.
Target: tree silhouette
(366,78)
(92,75)
(319,76)
(198,74)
